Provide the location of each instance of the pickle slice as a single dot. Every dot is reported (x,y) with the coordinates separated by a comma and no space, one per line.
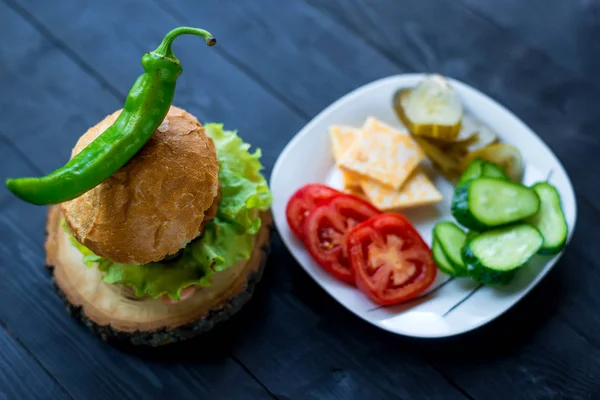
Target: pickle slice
(501,154)
(468,128)
(448,165)
(485,137)
(431,109)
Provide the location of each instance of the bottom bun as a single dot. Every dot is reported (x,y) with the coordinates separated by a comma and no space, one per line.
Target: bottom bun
(114,314)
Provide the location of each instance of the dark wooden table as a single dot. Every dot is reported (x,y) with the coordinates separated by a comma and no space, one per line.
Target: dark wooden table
(64,65)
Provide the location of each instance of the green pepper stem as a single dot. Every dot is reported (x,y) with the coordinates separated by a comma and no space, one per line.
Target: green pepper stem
(165,50)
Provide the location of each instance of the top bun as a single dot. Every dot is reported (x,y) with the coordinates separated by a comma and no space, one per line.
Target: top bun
(157,202)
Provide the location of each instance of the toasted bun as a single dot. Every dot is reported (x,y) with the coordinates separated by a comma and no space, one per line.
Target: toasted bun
(155,204)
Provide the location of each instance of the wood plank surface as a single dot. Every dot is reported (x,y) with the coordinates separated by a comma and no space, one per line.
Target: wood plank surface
(21,376)
(276,65)
(317,59)
(565,30)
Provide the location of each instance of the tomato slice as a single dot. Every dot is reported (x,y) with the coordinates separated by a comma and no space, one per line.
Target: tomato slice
(303,202)
(390,261)
(327,227)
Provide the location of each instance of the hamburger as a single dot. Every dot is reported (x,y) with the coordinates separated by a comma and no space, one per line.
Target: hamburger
(170,244)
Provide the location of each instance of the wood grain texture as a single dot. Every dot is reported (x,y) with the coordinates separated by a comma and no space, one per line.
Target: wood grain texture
(579,292)
(565,30)
(40,84)
(276,65)
(21,376)
(549,363)
(317,59)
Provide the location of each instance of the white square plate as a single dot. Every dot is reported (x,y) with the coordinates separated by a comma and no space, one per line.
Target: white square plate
(451,306)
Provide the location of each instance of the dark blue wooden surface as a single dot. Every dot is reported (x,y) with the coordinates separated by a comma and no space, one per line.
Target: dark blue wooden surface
(65,64)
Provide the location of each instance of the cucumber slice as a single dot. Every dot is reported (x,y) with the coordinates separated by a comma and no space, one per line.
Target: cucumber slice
(494,256)
(504,155)
(484,203)
(473,171)
(442,261)
(492,171)
(550,219)
(478,168)
(451,239)
(472,235)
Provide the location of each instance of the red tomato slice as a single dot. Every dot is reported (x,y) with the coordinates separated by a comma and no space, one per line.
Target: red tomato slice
(303,202)
(390,261)
(327,227)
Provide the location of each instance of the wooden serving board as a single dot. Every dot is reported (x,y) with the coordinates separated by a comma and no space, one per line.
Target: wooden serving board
(114,313)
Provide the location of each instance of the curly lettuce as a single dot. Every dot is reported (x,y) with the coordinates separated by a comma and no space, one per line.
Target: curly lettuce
(226,240)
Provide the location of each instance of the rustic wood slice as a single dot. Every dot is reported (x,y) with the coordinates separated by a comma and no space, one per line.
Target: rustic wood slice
(112,312)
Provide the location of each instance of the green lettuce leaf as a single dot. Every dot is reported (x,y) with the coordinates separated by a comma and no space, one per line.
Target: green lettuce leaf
(244,193)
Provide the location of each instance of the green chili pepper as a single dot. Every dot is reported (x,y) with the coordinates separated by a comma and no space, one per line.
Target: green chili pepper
(145,108)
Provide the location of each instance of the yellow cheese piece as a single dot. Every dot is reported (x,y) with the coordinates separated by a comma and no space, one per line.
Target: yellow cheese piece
(372,124)
(383,154)
(342,138)
(351,181)
(358,192)
(417,191)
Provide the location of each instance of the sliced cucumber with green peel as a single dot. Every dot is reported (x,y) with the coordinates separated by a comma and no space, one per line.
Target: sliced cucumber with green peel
(451,239)
(492,170)
(442,261)
(502,154)
(479,168)
(485,203)
(472,235)
(494,256)
(473,171)
(550,219)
